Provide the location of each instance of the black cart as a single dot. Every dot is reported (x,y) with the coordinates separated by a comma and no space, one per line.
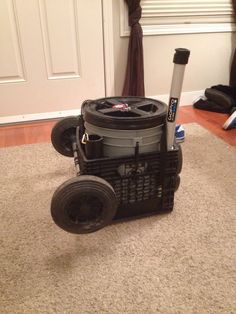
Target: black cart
(127,161)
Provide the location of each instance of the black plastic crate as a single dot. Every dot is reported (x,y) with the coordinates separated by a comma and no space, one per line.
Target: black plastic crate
(144,184)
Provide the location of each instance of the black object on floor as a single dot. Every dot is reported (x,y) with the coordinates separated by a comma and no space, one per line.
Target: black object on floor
(219,98)
(208,105)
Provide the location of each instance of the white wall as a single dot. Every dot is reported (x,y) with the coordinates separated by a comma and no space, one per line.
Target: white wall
(209,62)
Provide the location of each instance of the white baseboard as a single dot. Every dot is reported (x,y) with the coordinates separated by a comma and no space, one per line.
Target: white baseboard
(38,116)
(187,98)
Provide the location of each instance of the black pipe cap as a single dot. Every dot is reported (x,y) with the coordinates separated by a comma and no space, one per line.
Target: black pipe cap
(181,56)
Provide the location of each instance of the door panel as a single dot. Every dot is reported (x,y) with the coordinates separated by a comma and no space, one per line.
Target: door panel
(11,61)
(60,36)
(51,55)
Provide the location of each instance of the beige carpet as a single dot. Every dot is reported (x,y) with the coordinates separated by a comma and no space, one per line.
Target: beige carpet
(183,262)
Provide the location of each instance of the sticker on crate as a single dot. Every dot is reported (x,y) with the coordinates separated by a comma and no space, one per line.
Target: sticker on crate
(132,169)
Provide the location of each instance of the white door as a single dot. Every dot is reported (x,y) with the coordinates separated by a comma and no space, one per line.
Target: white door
(51,55)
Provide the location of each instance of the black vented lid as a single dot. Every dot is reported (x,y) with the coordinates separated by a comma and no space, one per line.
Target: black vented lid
(125,113)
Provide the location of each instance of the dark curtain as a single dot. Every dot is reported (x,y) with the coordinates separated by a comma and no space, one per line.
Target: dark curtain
(233,66)
(134,77)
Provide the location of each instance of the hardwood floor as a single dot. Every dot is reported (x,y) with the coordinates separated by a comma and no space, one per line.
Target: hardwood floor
(36,132)
(212,121)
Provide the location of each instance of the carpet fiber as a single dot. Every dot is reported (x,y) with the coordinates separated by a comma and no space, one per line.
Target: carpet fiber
(183,262)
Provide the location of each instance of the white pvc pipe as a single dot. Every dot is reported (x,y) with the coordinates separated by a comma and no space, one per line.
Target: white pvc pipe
(180,61)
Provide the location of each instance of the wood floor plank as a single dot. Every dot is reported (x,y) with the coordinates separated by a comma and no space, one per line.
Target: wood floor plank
(29,133)
(213,122)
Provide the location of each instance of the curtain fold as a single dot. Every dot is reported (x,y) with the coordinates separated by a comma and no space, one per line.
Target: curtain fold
(134,77)
(233,65)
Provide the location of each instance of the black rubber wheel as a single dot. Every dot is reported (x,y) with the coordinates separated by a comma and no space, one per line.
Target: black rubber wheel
(177,182)
(83,204)
(63,133)
(180,159)
(125,113)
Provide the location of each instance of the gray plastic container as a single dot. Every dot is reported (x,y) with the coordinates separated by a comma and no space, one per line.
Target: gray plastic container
(119,143)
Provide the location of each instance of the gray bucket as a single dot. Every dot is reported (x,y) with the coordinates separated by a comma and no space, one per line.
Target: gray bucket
(119,143)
